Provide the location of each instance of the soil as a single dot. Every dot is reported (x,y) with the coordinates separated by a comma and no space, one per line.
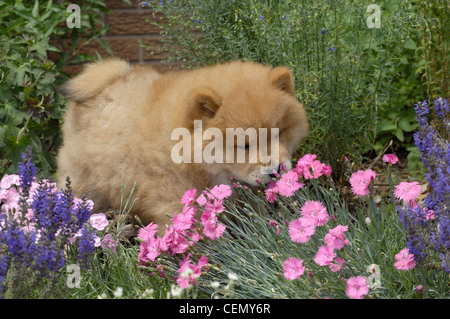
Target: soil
(399,172)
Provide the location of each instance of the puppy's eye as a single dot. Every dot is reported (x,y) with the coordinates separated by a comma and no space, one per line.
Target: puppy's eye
(244,147)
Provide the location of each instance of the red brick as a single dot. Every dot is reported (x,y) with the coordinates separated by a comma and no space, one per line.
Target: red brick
(121,4)
(152,49)
(127,49)
(133,22)
(73,70)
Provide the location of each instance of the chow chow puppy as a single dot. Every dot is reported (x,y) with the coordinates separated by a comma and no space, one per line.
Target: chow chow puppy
(119,130)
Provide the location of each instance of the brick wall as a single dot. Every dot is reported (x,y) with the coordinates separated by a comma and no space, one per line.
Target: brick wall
(127,29)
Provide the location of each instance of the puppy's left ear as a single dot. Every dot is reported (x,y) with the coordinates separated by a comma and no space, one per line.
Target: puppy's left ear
(281,77)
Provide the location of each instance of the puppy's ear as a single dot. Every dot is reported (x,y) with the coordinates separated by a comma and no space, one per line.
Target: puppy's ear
(205,102)
(281,77)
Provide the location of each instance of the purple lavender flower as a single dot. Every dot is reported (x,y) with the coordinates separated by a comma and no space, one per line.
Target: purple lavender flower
(441,108)
(425,235)
(3,270)
(86,245)
(27,170)
(40,249)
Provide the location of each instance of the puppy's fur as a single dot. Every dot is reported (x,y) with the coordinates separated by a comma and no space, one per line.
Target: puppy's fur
(117,129)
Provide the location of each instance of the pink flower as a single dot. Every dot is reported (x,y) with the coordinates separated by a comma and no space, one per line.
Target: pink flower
(336,237)
(315,211)
(306,160)
(288,184)
(273,223)
(407,191)
(201,200)
(188,197)
(334,267)
(360,181)
(190,272)
(194,236)
(390,158)
(327,170)
(324,256)
(11,203)
(271,194)
(430,214)
(405,260)
(316,168)
(299,170)
(300,230)
(9,180)
(211,227)
(221,191)
(97,240)
(356,287)
(174,241)
(293,268)
(182,222)
(213,230)
(149,250)
(76,201)
(215,206)
(98,221)
(109,243)
(148,232)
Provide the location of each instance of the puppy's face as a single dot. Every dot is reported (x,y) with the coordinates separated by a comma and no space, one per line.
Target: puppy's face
(250,129)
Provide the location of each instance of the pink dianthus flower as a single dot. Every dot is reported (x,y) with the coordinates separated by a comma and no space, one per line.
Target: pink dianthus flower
(316,168)
(315,211)
(188,197)
(356,287)
(293,268)
(390,158)
(300,230)
(98,221)
(148,232)
(221,191)
(407,191)
(360,181)
(288,184)
(324,256)
(405,260)
(336,237)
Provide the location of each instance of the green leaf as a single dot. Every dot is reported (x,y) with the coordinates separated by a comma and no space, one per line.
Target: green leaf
(2,134)
(105,46)
(387,126)
(20,75)
(35,11)
(410,44)
(405,125)
(399,134)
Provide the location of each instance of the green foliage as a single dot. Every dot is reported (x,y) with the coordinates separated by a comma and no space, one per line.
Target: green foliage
(30,107)
(358,83)
(253,251)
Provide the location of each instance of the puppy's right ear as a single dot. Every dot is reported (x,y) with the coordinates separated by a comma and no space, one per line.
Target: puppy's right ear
(205,103)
